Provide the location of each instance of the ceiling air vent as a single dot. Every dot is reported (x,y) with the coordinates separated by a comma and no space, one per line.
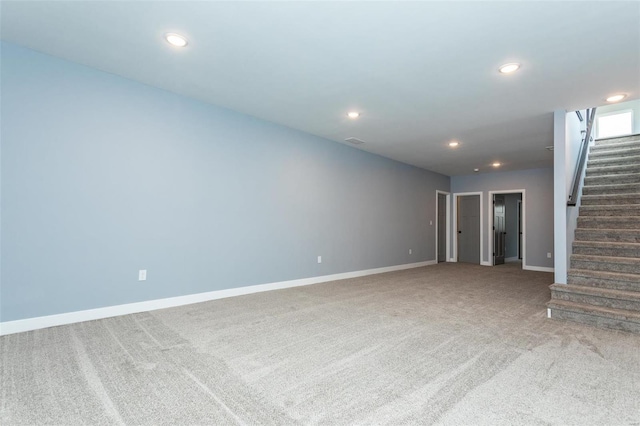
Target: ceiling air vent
(354,141)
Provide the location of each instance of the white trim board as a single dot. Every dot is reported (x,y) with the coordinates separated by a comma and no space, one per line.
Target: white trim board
(18,326)
(538,268)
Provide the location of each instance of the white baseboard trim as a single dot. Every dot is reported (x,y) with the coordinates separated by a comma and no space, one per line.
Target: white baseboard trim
(511,259)
(538,268)
(483,263)
(19,326)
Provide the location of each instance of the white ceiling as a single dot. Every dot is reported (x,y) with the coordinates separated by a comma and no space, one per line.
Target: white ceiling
(421,73)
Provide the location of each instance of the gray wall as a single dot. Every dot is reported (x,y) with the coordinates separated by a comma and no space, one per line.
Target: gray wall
(538,184)
(102,176)
(561,155)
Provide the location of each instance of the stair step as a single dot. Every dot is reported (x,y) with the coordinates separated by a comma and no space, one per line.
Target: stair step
(617,299)
(610,148)
(609,222)
(597,316)
(599,248)
(606,199)
(610,210)
(618,139)
(614,152)
(601,279)
(627,144)
(608,235)
(625,265)
(613,170)
(613,161)
(614,179)
(611,188)
(604,279)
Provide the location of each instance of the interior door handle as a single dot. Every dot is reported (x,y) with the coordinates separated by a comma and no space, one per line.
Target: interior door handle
(459,232)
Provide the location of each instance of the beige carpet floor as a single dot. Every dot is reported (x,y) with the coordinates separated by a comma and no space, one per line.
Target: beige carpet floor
(449,344)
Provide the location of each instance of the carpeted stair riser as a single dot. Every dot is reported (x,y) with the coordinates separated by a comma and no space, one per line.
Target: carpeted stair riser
(618,314)
(604,200)
(625,265)
(618,147)
(617,140)
(594,319)
(620,169)
(608,235)
(600,279)
(619,144)
(613,161)
(609,222)
(615,153)
(620,188)
(610,210)
(594,248)
(597,296)
(618,179)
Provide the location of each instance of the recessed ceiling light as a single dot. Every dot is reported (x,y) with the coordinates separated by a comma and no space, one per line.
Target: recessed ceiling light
(509,68)
(454,144)
(476,170)
(616,98)
(496,164)
(176,39)
(353,114)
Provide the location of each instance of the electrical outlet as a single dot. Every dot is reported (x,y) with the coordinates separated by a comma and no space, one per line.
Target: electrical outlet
(142,275)
(319,259)
(548,255)
(430,222)
(410,251)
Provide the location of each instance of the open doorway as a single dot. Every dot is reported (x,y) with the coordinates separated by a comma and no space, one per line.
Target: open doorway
(507,242)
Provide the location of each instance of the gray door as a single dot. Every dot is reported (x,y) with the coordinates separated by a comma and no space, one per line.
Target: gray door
(469,229)
(442,228)
(499,229)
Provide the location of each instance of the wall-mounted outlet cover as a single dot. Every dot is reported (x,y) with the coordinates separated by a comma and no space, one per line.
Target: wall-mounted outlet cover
(354,141)
(319,259)
(142,275)
(410,251)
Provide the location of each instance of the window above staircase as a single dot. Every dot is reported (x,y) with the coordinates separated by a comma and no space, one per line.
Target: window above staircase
(619,123)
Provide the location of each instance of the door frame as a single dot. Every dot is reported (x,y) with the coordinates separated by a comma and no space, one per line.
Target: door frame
(447,225)
(455,224)
(522,224)
(520,230)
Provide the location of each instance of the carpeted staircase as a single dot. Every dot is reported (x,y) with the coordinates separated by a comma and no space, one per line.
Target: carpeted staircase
(604,277)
